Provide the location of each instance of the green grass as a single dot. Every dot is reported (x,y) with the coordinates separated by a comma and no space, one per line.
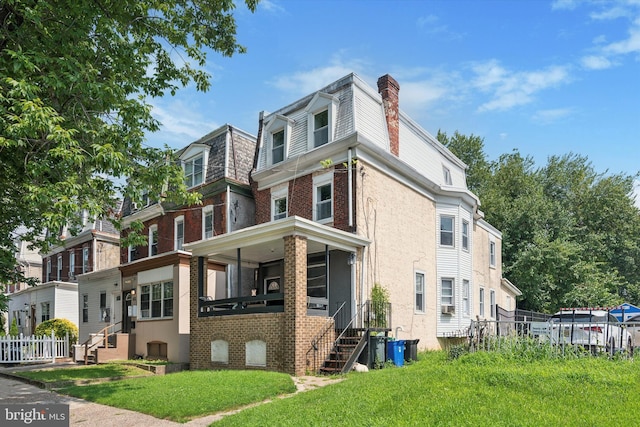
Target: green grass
(481,389)
(185,395)
(109,370)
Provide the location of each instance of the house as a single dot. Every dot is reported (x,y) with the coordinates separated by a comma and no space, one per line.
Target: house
(349,192)
(90,246)
(153,300)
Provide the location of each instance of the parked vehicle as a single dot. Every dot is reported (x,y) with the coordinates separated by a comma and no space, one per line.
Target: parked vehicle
(594,329)
(633,327)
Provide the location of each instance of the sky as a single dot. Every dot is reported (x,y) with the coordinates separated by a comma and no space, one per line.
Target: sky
(544,77)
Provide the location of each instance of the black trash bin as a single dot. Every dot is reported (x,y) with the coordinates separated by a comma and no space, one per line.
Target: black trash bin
(375,355)
(411,350)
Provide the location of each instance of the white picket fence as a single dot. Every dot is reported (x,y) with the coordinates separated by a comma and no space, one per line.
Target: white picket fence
(23,349)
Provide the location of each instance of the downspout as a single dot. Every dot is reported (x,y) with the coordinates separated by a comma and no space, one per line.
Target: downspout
(350,185)
(362,274)
(228,206)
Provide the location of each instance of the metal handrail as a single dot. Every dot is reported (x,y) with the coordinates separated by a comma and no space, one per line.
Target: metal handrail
(320,337)
(105,332)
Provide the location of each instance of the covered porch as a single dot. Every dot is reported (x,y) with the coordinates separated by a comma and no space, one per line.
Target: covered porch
(259,295)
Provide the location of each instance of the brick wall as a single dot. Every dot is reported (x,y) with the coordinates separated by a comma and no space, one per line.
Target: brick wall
(301,197)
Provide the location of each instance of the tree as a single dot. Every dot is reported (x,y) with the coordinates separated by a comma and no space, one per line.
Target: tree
(75,80)
(469,149)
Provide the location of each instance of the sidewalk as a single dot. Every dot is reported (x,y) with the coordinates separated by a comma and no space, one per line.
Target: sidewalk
(87,414)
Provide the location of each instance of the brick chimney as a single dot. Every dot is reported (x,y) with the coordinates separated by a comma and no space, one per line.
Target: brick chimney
(388,87)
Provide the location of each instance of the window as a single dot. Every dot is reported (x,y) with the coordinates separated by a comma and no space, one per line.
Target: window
(131,253)
(465,298)
(194,171)
(317,276)
(447,175)
(207,222)
(277,146)
(59,272)
(323,198)
(48,269)
(481,299)
(85,308)
(279,208)
(321,128)
(419,292)
(492,254)
(156,300)
(153,240)
(105,312)
(447,296)
(72,264)
(179,233)
(85,260)
(45,309)
(465,235)
(446,230)
(492,301)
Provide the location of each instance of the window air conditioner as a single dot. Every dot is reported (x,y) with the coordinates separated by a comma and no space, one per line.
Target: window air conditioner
(448,309)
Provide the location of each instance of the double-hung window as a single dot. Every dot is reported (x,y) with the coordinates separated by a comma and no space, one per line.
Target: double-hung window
(72,264)
(156,300)
(194,171)
(45,309)
(465,235)
(492,254)
(48,269)
(85,308)
(466,306)
(446,230)
(320,128)
(447,292)
(277,146)
(279,203)
(153,240)
(105,312)
(59,271)
(178,233)
(207,222)
(419,308)
(323,198)
(447,175)
(85,260)
(481,300)
(492,301)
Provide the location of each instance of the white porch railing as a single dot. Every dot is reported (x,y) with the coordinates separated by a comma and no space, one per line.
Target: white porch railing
(23,349)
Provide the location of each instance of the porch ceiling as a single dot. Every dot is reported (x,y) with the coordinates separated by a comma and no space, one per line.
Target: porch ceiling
(264,242)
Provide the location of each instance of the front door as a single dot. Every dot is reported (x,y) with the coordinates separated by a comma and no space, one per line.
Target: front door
(126,311)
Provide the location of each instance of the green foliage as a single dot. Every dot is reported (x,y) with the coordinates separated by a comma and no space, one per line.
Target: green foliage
(379,304)
(60,327)
(75,89)
(13,329)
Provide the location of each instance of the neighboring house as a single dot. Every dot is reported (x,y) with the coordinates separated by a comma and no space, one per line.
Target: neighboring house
(349,192)
(154,297)
(91,246)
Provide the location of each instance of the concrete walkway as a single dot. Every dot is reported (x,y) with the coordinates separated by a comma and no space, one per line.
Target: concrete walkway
(88,414)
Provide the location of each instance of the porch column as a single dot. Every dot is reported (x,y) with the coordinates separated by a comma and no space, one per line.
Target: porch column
(295,304)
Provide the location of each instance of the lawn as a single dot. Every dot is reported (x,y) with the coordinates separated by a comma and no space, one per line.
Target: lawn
(91,372)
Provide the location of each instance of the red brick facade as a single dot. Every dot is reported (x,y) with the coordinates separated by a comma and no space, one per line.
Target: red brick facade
(389,88)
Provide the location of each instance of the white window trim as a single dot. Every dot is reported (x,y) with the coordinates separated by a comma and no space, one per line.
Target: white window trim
(130,251)
(415,291)
(206,210)
(481,302)
(320,102)
(446,172)
(453,231)
(72,264)
(162,301)
(492,254)
(275,125)
(176,221)
(48,269)
(319,181)
(152,228)
(463,235)
(193,152)
(453,291)
(280,193)
(85,257)
(493,308)
(59,268)
(466,297)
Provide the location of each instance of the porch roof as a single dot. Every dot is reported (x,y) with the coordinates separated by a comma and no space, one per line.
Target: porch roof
(264,242)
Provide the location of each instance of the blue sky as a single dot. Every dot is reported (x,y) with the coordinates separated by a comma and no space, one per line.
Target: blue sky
(543,77)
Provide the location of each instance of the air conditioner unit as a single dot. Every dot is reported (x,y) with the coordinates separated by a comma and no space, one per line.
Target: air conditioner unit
(448,309)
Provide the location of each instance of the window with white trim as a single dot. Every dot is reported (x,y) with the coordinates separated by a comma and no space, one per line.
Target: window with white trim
(85,260)
(323,198)
(320,128)
(492,301)
(466,306)
(72,264)
(207,222)
(153,240)
(447,296)
(131,253)
(279,203)
(59,270)
(321,112)
(85,308)
(492,254)
(194,171)
(447,175)
(48,269)
(278,133)
(105,311)
(447,230)
(481,300)
(156,300)
(465,235)
(419,291)
(277,146)
(178,227)
(45,311)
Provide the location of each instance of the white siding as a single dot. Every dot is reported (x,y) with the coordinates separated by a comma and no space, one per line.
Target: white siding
(66,305)
(298,134)
(370,118)
(92,285)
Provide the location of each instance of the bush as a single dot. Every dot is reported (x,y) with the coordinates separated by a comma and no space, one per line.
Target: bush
(13,330)
(60,327)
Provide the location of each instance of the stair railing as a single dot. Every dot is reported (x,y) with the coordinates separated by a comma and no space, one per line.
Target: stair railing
(104,340)
(322,343)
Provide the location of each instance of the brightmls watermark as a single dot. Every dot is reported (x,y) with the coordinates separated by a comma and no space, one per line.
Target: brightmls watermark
(49,415)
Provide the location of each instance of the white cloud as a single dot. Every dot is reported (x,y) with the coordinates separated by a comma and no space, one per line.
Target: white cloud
(182,123)
(564,4)
(553,115)
(594,62)
(508,89)
(425,21)
(271,6)
(630,45)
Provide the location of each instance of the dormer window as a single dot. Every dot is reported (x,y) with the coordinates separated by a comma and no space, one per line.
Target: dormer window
(277,146)
(194,163)
(321,124)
